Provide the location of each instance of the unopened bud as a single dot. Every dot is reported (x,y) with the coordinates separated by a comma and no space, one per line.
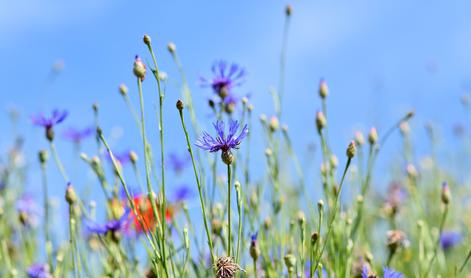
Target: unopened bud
(227,157)
(70,195)
(133,157)
(321,121)
(146,39)
(446,194)
(404,128)
(139,68)
(359,139)
(314,238)
(171,47)
(334,162)
(43,156)
(274,124)
(123,90)
(320,205)
(323,89)
(290,262)
(373,136)
(180,105)
(288,10)
(351,149)
(216,226)
(301,218)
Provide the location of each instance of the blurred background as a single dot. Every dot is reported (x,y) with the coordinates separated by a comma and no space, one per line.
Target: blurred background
(379,58)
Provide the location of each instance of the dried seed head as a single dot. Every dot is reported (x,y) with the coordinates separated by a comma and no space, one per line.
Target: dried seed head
(123,90)
(226,267)
(396,239)
(323,89)
(373,136)
(139,68)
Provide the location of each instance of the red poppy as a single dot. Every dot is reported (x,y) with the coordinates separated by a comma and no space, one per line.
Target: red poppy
(145,214)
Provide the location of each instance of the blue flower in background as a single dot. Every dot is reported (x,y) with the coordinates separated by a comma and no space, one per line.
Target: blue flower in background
(178,163)
(182,193)
(77,135)
(225,78)
(28,206)
(449,239)
(387,273)
(110,226)
(39,271)
(56,117)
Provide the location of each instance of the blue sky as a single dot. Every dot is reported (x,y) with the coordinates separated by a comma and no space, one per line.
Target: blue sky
(380,59)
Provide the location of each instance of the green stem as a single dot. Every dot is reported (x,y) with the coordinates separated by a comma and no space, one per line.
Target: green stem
(58,161)
(200,192)
(334,213)
(437,245)
(229,239)
(239,212)
(46,216)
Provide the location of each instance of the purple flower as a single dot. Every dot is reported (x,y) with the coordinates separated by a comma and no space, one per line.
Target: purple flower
(253,238)
(38,271)
(27,206)
(122,157)
(221,142)
(389,273)
(225,77)
(77,135)
(178,163)
(110,226)
(449,239)
(182,193)
(48,122)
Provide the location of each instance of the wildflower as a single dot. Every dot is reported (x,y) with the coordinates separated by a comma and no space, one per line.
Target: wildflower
(372,136)
(182,193)
(222,142)
(145,214)
(70,195)
(396,196)
(387,273)
(449,239)
(123,89)
(112,227)
(178,163)
(225,78)
(49,122)
(396,239)
(77,135)
(351,150)
(38,270)
(226,267)
(28,210)
(121,157)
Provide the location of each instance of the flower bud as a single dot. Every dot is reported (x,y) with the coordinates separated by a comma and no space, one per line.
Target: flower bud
(301,218)
(123,90)
(274,124)
(254,249)
(216,227)
(43,156)
(314,238)
(290,262)
(227,157)
(323,89)
(267,223)
(359,139)
(146,39)
(139,68)
(171,47)
(351,150)
(320,205)
(70,195)
(411,171)
(446,194)
(334,162)
(321,121)
(180,105)
(288,10)
(133,157)
(373,136)
(49,133)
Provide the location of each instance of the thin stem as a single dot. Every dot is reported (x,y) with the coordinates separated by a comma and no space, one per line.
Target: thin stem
(203,208)
(334,213)
(162,156)
(47,237)
(229,210)
(284,45)
(437,245)
(239,212)
(58,161)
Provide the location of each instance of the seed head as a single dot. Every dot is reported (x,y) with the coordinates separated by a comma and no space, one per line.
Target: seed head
(226,267)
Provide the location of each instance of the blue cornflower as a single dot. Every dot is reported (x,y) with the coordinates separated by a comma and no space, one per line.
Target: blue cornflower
(111,226)
(28,210)
(222,142)
(77,135)
(226,76)
(121,157)
(449,239)
(178,163)
(387,273)
(38,271)
(49,122)
(182,193)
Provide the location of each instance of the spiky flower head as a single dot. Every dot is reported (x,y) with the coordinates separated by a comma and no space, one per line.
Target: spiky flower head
(77,135)
(38,270)
(57,116)
(225,78)
(449,239)
(226,267)
(221,141)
